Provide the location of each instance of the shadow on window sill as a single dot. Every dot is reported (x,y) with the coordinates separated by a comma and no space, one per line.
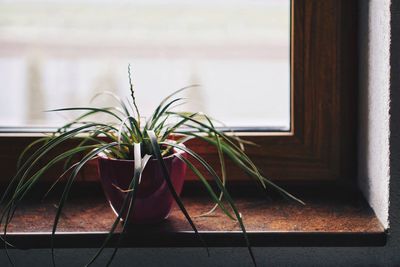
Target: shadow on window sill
(330,218)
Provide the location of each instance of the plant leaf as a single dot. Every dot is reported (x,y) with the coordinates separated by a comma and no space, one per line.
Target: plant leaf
(67,189)
(222,188)
(216,199)
(156,149)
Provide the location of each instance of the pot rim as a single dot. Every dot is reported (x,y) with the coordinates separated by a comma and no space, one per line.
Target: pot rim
(102,155)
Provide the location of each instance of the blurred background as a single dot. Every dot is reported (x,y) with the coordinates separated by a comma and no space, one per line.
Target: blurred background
(60,53)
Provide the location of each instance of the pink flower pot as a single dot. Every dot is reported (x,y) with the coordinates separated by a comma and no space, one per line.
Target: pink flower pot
(153,200)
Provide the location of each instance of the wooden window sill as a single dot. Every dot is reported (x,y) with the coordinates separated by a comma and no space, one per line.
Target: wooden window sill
(327,220)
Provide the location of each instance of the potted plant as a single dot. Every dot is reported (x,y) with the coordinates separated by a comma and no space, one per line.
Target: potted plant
(142,164)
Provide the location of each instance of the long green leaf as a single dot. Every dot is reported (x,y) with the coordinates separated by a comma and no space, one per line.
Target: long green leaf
(216,199)
(29,147)
(11,207)
(37,155)
(157,116)
(114,96)
(176,126)
(162,103)
(239,160)
(67,189)
(101,110)
(34,159)
(129,198)
(133,191)
(156,149)
(79,119)
(222,164)
(221,187)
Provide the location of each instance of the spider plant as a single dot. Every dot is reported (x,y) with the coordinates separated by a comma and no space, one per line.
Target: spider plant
(128,136)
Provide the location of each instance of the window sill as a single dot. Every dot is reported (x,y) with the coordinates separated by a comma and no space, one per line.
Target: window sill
(326,221)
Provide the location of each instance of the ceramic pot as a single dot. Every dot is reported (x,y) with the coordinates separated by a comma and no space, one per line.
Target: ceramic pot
(153,201)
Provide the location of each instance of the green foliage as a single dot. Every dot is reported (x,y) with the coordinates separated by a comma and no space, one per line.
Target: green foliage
(125,138)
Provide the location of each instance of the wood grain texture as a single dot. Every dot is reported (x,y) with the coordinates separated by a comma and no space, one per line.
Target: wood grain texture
(333,220)
(321,146)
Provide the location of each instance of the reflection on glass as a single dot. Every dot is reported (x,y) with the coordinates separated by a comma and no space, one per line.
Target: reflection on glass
(61,53)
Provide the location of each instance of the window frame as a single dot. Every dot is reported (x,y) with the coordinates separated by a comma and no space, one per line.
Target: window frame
(321,145)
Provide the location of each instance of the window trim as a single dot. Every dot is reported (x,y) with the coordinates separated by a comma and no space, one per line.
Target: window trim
(321,145)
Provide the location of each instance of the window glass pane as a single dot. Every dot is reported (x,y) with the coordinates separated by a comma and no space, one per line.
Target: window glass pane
(60,53)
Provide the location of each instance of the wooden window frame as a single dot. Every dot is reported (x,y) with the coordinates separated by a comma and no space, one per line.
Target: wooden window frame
(321,145)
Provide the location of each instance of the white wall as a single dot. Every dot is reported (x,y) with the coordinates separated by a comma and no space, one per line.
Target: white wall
(374,88)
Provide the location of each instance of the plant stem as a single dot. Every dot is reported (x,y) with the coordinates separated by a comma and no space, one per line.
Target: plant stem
(133,94)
